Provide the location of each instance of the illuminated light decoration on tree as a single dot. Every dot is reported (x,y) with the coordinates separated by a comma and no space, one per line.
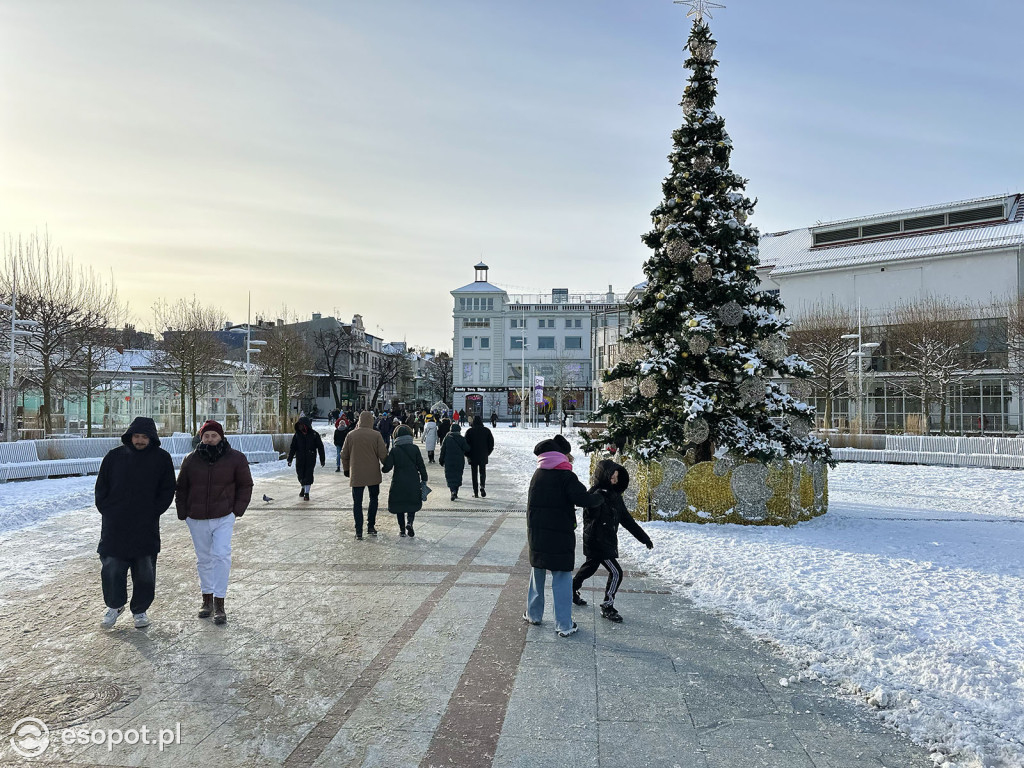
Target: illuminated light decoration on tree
(702,314)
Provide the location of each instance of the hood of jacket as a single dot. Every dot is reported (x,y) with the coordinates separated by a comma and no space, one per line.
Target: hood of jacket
(478,421)
(141,425)
(304,420)
(456,429)
(603,476)
(365,420)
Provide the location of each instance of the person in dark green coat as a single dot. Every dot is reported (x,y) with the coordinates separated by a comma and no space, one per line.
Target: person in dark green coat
(454,450)
(405,497)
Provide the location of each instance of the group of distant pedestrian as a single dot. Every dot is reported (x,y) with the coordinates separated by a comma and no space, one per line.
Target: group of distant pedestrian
(137,484)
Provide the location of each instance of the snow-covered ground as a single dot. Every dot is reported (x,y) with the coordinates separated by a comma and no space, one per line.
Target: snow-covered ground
(908,594)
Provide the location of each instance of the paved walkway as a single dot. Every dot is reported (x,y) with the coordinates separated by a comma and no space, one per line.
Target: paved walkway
(406,652)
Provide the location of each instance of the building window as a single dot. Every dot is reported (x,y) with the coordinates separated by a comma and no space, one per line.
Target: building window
(485,342)
(485,373)
(547,323)
(518,322)
(574,342)
(515,342)
(545,342)
(462,305)
(476,322)
(574,322)
(515,371)
(467,372)
(490,305)
(467,342)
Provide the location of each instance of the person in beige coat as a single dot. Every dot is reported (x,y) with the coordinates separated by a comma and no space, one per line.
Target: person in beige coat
(361,457)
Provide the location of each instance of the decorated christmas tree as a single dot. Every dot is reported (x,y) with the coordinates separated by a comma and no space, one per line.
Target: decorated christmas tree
(700,366)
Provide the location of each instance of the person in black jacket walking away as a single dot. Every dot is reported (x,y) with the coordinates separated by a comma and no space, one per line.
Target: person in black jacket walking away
(405,498)
(601,535)
(481,444)
(134,487)
(306,445)
(554,494)
(340,432)
(454,450)
(443,428)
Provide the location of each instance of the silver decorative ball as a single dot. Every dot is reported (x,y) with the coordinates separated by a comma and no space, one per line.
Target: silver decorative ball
(699,345)
(730,313)
(649,387)
(772,348)
(752,390)
(679,251)
(702,273)
(696,430)
(799,426)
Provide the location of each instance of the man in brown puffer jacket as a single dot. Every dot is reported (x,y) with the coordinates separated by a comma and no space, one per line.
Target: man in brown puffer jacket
(361,457)
(214,489)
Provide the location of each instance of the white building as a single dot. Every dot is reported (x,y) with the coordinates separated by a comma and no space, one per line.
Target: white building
(970,252)
(497,334)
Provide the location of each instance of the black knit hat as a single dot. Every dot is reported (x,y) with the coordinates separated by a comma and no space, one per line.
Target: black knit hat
(556,443)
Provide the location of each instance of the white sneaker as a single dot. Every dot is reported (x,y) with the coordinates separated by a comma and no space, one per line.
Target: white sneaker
(141,620)
(567,632)
(111,616)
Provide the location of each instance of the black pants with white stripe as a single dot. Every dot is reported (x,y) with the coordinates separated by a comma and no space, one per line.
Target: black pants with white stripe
(590,567)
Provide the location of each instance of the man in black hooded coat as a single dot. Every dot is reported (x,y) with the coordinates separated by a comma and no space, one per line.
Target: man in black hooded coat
(134,487)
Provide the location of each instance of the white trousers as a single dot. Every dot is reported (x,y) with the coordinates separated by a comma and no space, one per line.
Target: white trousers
(212,540)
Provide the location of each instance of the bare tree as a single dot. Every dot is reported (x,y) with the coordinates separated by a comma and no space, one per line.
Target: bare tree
(440,375)
(392,367)
(929,343)
(288,359)
(816,337)
(102,363)
(333,347)
(190,351)
(66,302)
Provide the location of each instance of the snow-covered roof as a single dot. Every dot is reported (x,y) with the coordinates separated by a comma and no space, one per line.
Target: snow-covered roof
(480,286)
(792,252)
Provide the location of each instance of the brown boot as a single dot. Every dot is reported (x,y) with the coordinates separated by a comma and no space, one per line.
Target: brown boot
(219,617)
(206,611)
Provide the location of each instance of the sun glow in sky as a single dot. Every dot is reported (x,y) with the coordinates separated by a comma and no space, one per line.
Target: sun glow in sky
(359,157)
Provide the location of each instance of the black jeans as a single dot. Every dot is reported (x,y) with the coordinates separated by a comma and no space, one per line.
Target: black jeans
(114,577)
(473,469)
(590,567)
(402,521)
(357,506)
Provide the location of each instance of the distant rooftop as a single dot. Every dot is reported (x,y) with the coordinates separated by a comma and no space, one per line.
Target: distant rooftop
(971,225)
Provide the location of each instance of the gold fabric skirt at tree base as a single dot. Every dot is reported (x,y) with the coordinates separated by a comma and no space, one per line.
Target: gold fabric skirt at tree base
(725,490)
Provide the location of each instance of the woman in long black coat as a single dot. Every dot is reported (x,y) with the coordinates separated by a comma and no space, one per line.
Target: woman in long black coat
(454,450)
(306,444)
(554,494)
(405,498)
(481,444)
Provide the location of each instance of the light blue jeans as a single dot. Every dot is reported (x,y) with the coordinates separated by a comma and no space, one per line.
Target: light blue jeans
(338,449)
(561,591)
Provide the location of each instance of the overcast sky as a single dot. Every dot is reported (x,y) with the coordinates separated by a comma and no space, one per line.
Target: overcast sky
(359,156)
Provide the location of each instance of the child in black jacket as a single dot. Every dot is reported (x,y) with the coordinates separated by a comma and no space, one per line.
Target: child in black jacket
(601,535)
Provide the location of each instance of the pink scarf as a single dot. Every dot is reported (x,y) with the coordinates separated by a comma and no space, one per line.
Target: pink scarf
(553,460)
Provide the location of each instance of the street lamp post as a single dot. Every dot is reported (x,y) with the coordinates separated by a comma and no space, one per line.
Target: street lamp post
(246,426)
(522,399)
(10,405)
(860,354)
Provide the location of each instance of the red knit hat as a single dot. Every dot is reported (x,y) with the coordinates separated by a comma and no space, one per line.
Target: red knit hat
(211,424)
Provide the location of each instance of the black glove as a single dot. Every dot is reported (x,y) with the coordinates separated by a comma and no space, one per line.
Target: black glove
(289,463)
(346,473)
(650,545)
(321,463)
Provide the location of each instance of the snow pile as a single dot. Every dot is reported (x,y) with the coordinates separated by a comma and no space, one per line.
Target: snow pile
(908,594)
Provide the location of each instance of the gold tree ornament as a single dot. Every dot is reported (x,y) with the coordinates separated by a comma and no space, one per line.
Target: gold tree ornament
(679,251)
(699,8)
(649,387)
(702,273)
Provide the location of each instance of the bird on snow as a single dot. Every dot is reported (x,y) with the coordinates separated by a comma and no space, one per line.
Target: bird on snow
(266,498)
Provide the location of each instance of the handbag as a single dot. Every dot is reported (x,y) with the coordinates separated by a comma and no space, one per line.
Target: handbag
(424,490)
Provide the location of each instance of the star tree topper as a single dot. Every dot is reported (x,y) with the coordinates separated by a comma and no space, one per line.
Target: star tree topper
(699,8)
